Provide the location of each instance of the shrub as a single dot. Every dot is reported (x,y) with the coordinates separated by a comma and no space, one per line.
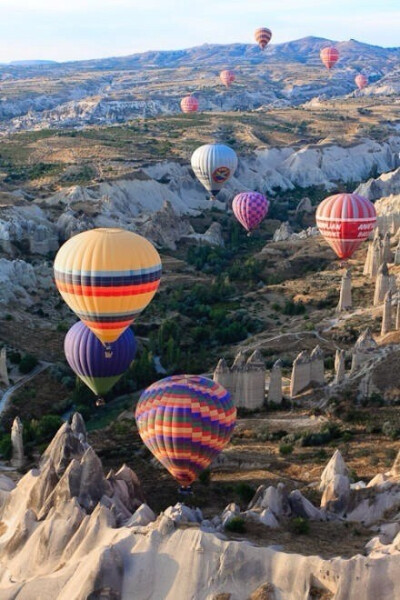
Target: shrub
(245,492)
(15,357)
(47,427)
(6,446)
(205,477)
(236,525)
(390,430)
(285,449)
(299,526)
(27,363)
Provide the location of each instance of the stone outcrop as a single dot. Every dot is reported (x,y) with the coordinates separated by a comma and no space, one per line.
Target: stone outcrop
(374,256)
(245,380)
(165,229)
(382,284)
(387,320)
(3,367)
(317,367)
(275,384)
(27,228)
(17,457)
(363,350)
(345,301)
(340,366)
(397,324)
(301,374)
(387,254)
(283,233)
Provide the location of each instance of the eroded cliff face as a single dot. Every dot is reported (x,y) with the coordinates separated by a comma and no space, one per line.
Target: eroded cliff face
(70,533)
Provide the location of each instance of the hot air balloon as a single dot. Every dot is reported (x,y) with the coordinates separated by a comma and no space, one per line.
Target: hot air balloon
(107,277)
(250,208)
(185,421)
(85,355)
(361,81)
(345,221)
(263,36)
(227,77)
(189,104)
(329,56)
(214,165)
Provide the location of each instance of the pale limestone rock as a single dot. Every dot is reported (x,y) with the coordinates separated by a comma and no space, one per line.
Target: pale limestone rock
(301,374)
(397,255)
(335,466)
(363,350)
(317,367)
(382,284)
(340,366)
(18,457)
(345,301)
(275,384)
(398,313)
(254,382)
(387,255)
(283,233)
(268,519)
(302,507)
(336,494)
(387,321)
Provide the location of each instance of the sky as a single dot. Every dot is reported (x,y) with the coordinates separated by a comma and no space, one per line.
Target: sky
(79,29)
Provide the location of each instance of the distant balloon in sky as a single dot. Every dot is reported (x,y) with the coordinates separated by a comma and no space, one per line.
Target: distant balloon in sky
(214,165)
(263,36)
(361,81)
(329,57)
(185,421)
(345,221)
(86,357)
(107,277)
(227,77)
(250,208)
(189,104)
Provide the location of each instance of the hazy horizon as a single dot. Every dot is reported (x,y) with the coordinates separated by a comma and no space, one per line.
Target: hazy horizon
(88,29)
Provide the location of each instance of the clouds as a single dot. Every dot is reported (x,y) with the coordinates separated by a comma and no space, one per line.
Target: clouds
(73,29)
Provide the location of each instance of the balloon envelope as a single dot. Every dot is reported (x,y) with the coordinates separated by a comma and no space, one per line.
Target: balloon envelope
(227,77)
(214,165)
(329,56)
(87,358)
(189,104)
(250,208)
(345,221)
(263,36)
(107,277)
(361,81)
(185,421)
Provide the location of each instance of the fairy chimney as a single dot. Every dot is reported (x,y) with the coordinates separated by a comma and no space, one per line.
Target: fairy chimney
(387,255)
(345,302)
(363,350)
(387,323)
(17,457)
(382,284)
(340,366)
(3,367)
(317,367)
(223,375)
(275,384)
(254,382)
(301,374)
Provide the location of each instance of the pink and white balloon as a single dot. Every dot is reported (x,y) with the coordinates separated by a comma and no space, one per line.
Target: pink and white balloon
(250,208)
(361,81)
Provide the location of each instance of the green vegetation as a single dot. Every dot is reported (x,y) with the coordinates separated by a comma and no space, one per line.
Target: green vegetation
(245,492)
(27,363)
(236,525)
(299,526)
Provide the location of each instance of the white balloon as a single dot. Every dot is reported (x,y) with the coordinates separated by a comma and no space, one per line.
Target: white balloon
(214,165)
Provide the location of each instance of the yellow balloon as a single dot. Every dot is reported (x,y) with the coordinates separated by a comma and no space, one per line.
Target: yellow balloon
(107,277)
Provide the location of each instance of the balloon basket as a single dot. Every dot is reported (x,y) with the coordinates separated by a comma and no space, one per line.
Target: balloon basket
(185,491)
(107,351)
(100,402)
(249,234)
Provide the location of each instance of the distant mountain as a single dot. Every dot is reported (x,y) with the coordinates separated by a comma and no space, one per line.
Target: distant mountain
(32,63)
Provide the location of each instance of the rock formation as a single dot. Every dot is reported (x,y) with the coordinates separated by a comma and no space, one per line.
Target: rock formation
(345,302)
(387,321)
(387,255)
(363,350)
(397,325)
(317,367)
(397,254)
(17,457)
(382,284)
(340,366)
(245,380)
(301,374)
(275,384)
(283,233)
(3,367)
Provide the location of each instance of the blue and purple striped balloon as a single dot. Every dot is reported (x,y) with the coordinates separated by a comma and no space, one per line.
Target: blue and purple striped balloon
(97,367)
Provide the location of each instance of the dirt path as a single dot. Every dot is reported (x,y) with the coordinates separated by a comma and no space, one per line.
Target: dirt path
(9,392)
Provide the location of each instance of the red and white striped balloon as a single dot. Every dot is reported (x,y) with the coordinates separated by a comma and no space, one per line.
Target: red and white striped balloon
(263,36)
(345,221)
(329,57)
(227,77)
(189,104)
(361,81)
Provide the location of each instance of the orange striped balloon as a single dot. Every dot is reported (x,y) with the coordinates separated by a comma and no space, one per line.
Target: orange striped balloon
(345,221)
(189,104)
(227,77)
(329,57)
(185,421)
(107,277)
(263,36)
